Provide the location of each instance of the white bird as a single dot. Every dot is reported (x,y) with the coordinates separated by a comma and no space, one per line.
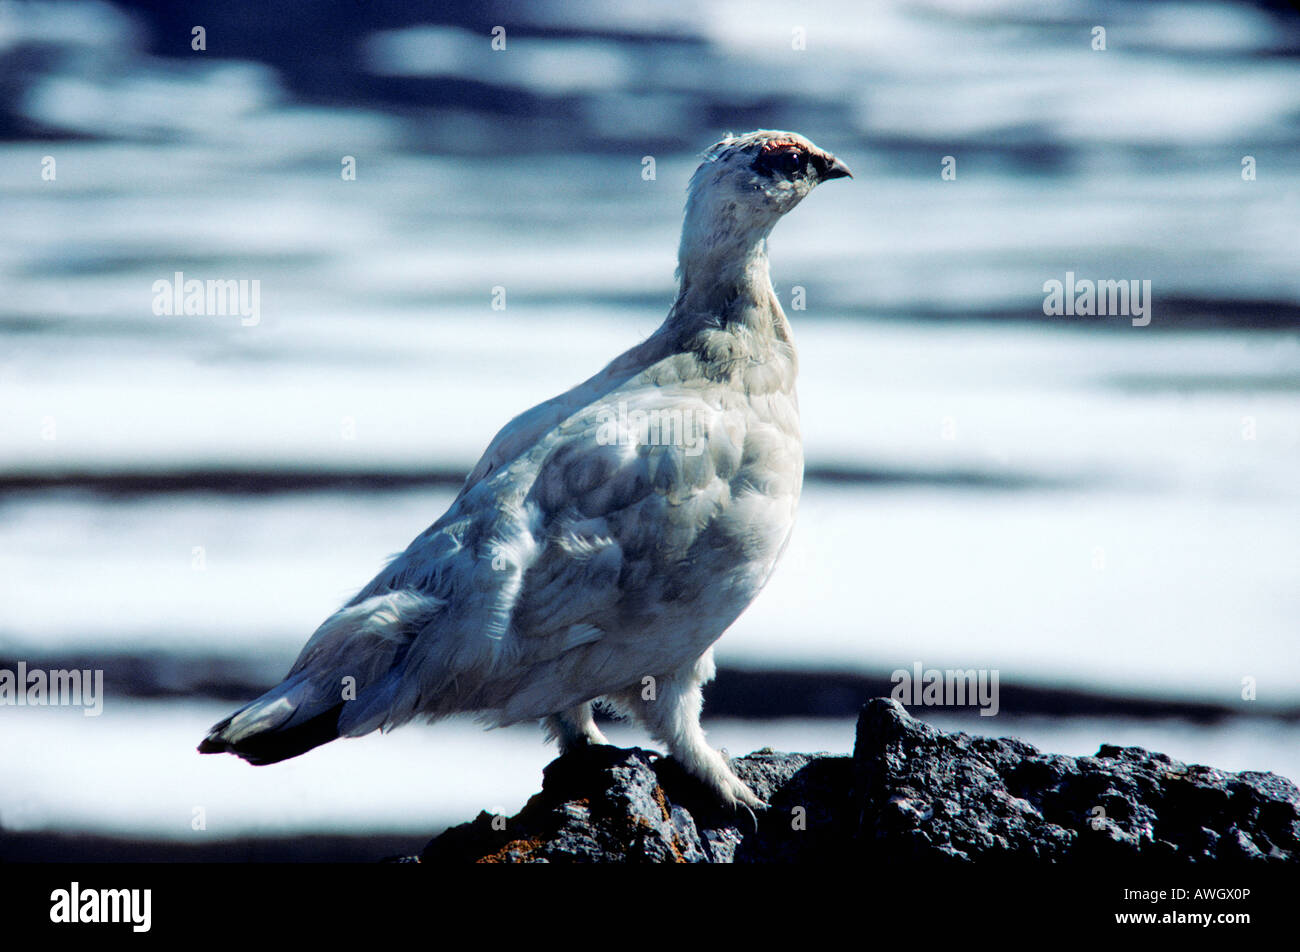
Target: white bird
(607,537)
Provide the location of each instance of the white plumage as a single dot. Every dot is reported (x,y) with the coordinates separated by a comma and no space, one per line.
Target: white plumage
(607,537)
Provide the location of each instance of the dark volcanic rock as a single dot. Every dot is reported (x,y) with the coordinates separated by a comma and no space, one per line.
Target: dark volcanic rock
(910,793)
(930,795)
(609,804)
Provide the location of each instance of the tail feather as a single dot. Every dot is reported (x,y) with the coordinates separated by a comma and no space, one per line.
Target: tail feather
(273,746)
(361,646)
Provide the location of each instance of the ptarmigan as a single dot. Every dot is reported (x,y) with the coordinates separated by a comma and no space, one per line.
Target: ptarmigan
(609,536)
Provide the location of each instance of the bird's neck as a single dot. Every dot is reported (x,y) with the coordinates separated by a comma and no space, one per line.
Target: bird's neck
(723,277)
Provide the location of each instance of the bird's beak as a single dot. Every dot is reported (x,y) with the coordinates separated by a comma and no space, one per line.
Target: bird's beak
(832,168)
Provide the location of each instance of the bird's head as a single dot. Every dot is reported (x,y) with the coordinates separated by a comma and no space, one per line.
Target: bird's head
(746,183)
(766,172)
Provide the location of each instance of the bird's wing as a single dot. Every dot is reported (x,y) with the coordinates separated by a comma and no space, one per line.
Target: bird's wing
(640,525)
(659,504)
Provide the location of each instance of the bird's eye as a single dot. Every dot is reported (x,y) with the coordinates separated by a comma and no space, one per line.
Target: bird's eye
(787,161)
(790,162)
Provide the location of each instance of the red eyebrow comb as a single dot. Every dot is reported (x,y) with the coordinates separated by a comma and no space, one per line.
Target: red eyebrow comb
(776,144)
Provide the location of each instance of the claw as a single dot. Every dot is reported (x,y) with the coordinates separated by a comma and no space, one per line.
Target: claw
(753,817)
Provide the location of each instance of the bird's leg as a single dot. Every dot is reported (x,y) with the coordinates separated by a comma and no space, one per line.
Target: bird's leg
(574,728)
(671,713)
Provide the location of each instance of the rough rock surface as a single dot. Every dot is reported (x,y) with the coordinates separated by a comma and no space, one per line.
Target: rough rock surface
(910,793)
